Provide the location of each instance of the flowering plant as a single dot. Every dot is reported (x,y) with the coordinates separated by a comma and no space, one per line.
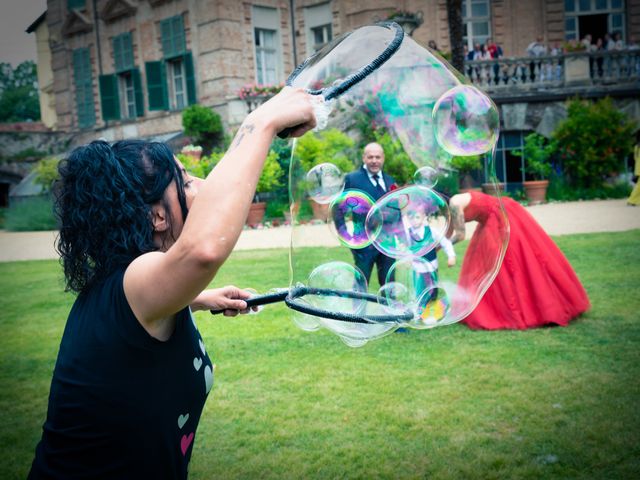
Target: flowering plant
(256,90)
(191,148)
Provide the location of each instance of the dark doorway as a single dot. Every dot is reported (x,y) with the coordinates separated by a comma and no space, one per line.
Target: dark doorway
(4,194)
(596,25)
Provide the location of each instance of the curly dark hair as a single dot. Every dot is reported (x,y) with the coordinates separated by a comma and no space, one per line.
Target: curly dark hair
(103,202)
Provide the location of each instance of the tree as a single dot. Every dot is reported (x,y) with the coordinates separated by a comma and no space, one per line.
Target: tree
(454,16)
(204,126)
(19,93)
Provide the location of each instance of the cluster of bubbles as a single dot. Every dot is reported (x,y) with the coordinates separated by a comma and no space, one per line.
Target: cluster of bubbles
(429,109)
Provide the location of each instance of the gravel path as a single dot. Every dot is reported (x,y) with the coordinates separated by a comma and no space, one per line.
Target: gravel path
(556,218)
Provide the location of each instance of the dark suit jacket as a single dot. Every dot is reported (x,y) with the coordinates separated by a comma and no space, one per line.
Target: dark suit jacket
(359,180)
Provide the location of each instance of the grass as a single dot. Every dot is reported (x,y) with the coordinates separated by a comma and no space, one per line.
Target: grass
(445,403)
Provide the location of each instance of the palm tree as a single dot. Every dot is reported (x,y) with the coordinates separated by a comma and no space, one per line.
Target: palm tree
(454,15)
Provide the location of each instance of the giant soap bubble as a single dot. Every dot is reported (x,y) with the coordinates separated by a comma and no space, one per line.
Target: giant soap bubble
(380,85)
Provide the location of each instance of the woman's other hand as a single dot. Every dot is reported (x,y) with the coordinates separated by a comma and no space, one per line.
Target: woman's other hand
(230,299)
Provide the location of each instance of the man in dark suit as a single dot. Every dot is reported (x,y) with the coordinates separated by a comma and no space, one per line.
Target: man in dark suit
(373,181)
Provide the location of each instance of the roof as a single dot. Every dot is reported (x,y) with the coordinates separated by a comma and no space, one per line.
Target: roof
(32,28)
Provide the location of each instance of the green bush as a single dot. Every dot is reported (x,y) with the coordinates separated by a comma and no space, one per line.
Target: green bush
(272,173)
(328,146)
(466,165)
(537,156)
(396,161)
(47,172)
(204,126)
(200,168)
(593,142)
(560,189)
(31,214)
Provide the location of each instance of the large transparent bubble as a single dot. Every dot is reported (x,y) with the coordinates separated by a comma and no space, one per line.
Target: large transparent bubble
(425,116)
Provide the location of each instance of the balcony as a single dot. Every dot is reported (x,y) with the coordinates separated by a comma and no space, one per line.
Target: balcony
(558,76)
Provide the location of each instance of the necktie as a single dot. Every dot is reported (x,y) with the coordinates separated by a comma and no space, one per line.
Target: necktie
(379,189)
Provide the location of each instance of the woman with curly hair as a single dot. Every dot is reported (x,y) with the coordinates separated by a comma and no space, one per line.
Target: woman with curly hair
(140,241)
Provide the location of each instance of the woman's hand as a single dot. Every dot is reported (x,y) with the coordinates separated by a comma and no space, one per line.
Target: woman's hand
(229,298)
(292,108)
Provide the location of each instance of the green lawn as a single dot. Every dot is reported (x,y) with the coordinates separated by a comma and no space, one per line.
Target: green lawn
(443,403)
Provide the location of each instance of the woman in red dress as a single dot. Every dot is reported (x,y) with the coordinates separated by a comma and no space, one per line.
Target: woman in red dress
(535,285)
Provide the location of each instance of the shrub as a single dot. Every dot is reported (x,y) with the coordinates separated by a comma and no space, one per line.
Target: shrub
(47,172)
(593,142)
(466,165)
(330,146)
(271,176)
(396,161)
(537,154)
(204,126)
(200,168)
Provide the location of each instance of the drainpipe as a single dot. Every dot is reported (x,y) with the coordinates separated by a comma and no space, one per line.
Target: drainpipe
(292,7)
(98,49)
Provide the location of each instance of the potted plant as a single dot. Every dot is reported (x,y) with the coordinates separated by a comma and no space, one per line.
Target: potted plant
(192,151)
(465,166)
(536,152)
(269,179)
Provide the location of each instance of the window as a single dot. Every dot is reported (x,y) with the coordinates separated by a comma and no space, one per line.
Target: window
(595,17)
(127,94)
(318,20)
(177,84)
(173,38)
(476,18)
(171,83)
(83,82)
(123,52)
(121,92)
(321,36)
(266,56)
(510,167)
(266,40)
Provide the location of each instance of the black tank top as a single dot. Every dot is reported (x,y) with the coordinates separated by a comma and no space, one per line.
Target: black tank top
(122,404)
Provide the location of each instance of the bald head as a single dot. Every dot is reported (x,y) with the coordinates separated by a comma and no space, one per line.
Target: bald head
(373,157)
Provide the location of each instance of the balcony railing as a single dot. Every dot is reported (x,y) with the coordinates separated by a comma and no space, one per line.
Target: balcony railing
(518,75)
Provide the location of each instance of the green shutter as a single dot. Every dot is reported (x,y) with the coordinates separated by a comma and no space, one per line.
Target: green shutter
(109,97)
(83,82)
(123,52)
(157,86)
(137,88)
(172,37)
(179,42)
(190,77)
(71,4)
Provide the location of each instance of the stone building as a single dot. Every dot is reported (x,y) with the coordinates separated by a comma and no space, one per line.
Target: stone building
(126,68)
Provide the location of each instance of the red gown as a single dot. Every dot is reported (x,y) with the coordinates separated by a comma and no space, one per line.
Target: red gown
(535,285)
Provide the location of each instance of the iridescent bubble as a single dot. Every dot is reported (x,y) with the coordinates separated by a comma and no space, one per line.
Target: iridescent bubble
(466,121)
(415,274)
(396,294)
(433,306)
(426,177)
(408,221)
(343,277)
(324,182)
(348,213)
(339,277)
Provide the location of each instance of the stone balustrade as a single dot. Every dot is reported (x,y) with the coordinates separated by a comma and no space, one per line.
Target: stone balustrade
(513,76)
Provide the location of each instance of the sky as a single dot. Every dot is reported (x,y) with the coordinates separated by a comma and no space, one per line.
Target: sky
(16,45)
